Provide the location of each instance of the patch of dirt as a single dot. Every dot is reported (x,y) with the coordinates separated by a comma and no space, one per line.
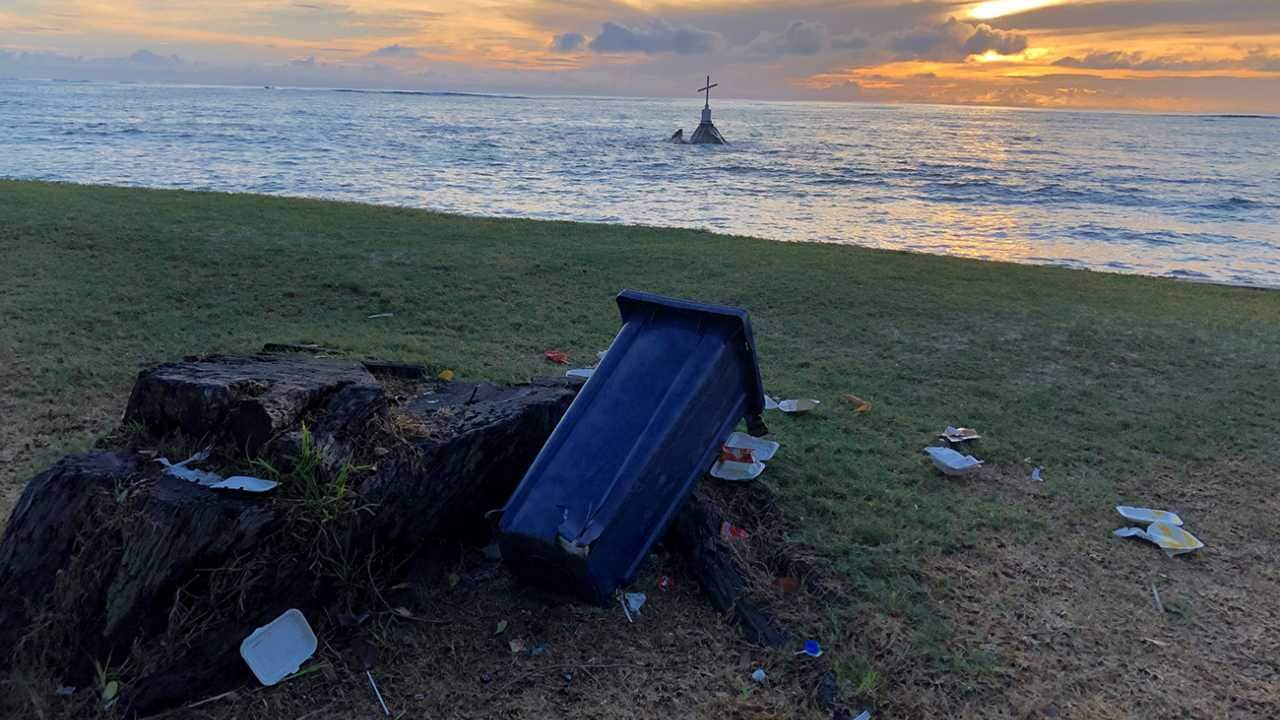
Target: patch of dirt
(678,659)
(1071,621)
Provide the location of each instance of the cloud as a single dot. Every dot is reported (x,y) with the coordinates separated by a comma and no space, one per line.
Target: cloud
(1256,59)
(800,38)
(568,42)
(658,37)
(395,51)
(954,40)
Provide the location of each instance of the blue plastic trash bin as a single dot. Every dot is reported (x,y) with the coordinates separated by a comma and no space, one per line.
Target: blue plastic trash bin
(647,424)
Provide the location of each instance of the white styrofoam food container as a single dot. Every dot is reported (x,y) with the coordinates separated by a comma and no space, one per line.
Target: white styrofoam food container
(278,649)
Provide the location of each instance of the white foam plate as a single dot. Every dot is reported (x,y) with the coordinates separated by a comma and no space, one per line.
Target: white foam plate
(1147,515)
(245,483)
(736,471)
(761,449)
(580,372)
(276,650)
(797,406)
(951,462)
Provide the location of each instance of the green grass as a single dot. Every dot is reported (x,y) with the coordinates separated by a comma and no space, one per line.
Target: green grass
(1100,378)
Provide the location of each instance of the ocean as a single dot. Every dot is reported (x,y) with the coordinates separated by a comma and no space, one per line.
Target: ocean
(1187,196)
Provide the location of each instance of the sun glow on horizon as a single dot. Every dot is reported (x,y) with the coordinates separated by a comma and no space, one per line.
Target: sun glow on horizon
(999,8)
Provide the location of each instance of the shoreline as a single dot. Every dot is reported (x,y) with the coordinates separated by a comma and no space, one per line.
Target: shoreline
(641,226)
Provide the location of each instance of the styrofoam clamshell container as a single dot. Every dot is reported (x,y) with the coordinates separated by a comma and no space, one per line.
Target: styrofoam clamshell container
(278,649)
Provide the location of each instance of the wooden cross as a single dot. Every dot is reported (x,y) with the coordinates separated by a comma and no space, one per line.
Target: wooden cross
(707,90)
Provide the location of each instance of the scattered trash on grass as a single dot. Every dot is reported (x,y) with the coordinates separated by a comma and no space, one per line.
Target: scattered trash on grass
(859,405)
(537,650)
(959,434)
(557,357)
(500,628)
(379,316)
(385,711)
(798,406)
(737,470)
(1035,474)
(759,675)
(951,462)
(583,373)
(181,471)
(65,690)
(811,648)
(730,532)
(761,449)
(1173,539)
(445,375)
(1155,596)
(245,483)
(516,646)
(864,715)
(1147,515)
(664,583)
(276,650)
(770,403)
(632,602)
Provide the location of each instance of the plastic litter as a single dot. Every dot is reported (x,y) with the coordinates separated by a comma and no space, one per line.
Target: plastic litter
(65,690)
(634,601)
(377,693)
(864,715)
(1147,515)
(1035,474)
(379,316)
(730,532)
(500,628)
(516,646)
(1173,539)
(537,650)
(445,375)
(665,584)
(770,403)
(557,357)
(951,462)
(761,449)
(245,483)
(811,648)
(759,675)
(959,434)
(798,406)
(276,650)
(583,373)
(181,471)
(859,405)
(736,470)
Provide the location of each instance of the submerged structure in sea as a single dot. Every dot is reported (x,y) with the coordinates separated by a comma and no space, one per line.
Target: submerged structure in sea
(706,132)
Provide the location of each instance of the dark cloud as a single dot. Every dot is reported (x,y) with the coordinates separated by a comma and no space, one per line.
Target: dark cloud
(395,51)
(800,38)
(1257,59)
(568,42)
(954,40)
(657,37)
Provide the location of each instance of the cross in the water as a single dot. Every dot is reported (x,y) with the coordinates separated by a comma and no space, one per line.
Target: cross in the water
(707,90)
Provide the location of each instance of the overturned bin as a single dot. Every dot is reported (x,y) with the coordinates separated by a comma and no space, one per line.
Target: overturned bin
(650,421)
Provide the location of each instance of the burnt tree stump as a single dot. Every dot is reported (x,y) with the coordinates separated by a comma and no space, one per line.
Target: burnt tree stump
(108,559)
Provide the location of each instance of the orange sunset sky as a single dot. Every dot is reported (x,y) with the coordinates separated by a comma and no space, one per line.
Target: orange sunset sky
(1159,55)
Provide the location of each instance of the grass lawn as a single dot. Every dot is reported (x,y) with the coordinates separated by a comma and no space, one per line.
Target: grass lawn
(985,597)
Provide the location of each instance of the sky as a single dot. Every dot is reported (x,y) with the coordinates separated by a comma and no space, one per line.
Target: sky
(1153,55)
